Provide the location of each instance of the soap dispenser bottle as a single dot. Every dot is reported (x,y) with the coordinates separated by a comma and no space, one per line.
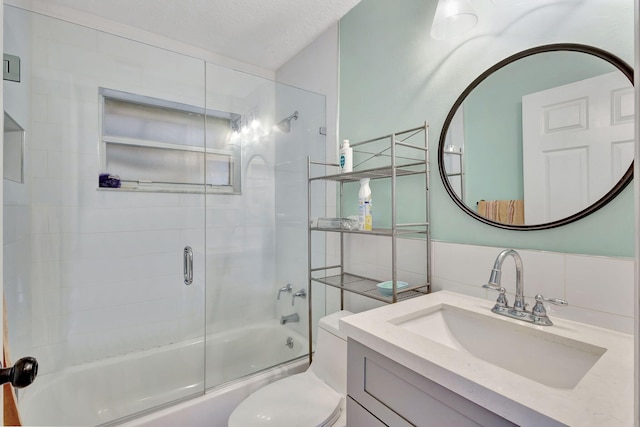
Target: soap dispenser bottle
(365,218)
(346,157)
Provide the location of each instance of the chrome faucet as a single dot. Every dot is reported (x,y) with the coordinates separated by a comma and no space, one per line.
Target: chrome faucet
(288,288)
(496,276)
(538,314)
(290,318)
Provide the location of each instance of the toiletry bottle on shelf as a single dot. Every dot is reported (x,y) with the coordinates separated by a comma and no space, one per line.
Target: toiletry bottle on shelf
(346,157)
(365,218)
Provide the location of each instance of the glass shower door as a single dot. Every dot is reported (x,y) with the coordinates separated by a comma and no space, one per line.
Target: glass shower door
(256,242)
(94,275)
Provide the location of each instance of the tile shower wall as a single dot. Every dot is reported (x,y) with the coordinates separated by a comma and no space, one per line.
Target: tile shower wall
(104,275)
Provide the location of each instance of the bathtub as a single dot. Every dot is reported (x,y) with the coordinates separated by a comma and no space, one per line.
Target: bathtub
(238,362)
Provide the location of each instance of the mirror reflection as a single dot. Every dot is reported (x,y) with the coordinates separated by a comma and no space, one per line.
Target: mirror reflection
(541,139)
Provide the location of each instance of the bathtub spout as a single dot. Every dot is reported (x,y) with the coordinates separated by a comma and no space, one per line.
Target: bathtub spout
(290,318)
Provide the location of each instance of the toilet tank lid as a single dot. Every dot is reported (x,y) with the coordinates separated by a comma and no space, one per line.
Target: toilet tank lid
(331,323)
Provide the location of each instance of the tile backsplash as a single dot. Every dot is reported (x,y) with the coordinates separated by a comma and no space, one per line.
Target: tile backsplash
(599,289)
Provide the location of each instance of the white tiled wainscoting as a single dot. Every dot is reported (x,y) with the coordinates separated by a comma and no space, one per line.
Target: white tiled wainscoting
(599,289)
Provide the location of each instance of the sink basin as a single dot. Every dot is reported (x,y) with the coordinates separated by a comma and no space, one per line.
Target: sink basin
(571,373)
(529,351)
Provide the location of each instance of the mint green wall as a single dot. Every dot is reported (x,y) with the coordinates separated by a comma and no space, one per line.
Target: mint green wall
(393,76)
(493,119)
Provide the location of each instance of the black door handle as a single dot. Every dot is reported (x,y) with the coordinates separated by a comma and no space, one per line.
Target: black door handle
(21,374)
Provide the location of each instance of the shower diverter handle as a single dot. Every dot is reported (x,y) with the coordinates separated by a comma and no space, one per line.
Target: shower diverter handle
(188,265)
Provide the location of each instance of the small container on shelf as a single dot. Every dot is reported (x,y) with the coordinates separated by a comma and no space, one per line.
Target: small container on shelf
(338,223)
(386,288)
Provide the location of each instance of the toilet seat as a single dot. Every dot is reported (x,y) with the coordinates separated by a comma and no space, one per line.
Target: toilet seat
(299,400)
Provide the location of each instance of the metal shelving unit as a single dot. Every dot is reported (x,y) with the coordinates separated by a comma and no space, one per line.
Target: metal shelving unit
(413,160)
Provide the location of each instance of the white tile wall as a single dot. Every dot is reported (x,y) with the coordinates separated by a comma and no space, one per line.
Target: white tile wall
(370,256)
(105,268)
(599,289)
(602,284)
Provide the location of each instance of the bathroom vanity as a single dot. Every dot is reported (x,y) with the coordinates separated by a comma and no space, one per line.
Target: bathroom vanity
(398,396)
(446,359)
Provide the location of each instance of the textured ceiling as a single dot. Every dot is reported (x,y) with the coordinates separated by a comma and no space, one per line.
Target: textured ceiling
(265,33)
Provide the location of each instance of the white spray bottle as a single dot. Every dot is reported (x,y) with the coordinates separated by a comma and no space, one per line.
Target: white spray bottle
(346,157)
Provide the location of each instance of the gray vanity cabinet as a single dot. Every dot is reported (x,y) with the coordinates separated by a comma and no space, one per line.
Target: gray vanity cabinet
(359,416)
(382,392)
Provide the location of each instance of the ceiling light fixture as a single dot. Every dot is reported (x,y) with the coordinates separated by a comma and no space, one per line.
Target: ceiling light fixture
(453,18)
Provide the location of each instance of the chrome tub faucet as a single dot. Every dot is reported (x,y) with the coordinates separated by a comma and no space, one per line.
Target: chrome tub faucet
(538,314)
(290,318)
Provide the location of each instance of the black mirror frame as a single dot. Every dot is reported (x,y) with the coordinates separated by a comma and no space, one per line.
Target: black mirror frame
(572,47)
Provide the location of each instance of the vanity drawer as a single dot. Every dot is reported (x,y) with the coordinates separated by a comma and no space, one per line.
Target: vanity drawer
(358,416)
(400,397)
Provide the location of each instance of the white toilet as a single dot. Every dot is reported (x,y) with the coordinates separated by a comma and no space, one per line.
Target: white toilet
(315,397)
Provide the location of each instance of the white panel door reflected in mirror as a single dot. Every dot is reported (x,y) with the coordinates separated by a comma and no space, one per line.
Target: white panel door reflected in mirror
(577,144)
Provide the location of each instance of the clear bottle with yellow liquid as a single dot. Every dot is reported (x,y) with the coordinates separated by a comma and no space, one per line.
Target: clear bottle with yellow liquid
(365,218)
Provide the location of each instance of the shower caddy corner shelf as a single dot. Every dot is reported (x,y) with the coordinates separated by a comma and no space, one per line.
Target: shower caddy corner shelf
(410,165)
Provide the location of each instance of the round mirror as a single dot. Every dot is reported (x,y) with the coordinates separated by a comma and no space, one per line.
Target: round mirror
(542,138)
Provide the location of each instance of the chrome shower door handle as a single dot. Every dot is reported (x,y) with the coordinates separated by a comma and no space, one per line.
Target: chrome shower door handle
(187,262)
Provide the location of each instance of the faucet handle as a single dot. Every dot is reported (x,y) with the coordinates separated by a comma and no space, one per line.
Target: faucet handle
(556,301)
(539,309)
(501,302)
(288,288)
(301,293)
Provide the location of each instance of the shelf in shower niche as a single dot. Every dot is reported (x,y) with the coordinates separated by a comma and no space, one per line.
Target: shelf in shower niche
(368,287)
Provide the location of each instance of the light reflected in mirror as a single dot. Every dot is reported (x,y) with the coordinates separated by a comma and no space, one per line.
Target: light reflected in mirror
(542,138)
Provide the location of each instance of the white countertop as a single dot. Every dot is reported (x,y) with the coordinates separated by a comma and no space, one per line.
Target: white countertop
(603,397)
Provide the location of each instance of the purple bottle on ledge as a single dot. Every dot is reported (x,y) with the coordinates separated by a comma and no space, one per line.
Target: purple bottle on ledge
(106,180)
